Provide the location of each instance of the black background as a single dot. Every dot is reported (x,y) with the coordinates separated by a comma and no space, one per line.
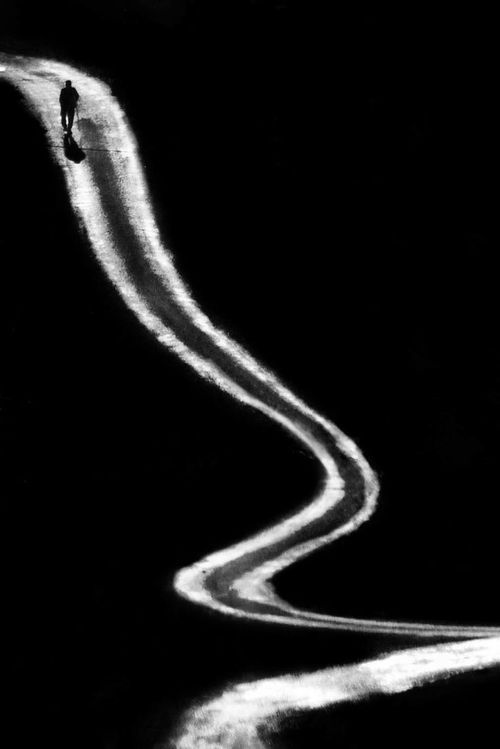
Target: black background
(327,182)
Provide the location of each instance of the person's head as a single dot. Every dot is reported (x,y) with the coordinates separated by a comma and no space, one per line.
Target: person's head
(68,84)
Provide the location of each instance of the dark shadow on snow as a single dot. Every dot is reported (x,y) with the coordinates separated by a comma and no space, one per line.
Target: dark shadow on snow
(89,133)
(72,150)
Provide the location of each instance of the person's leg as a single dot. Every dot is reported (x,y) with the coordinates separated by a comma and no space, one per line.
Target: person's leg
(71,117)
(63,119)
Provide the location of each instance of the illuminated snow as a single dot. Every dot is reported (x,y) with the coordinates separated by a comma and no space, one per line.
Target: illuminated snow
(109,194)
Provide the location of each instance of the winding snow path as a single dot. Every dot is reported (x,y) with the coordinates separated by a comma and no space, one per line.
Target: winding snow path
(109,194)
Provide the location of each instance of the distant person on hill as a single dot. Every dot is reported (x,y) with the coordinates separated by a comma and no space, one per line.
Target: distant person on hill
(68,100)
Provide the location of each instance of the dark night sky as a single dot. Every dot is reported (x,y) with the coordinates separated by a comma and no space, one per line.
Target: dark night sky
(327,182)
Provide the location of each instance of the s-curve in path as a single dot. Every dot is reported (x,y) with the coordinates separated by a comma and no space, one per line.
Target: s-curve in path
(109,194)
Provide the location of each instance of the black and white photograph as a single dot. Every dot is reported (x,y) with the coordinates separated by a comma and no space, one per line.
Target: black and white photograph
(249,375)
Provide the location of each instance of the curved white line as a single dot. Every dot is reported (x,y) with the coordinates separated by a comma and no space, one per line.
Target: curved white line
(236,718)
(109,194)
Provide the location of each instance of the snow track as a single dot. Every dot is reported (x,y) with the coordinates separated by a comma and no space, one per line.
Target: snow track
(109,194)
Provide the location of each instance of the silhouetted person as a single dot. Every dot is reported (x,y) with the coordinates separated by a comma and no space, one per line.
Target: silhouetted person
(68,100)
